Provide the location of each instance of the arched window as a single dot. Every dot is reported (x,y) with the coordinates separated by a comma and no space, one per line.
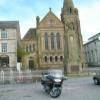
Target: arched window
(58,41)
(52,41)
(73,27)
(30,48)
(51,59)
(61,58)
(33,47)
(46,41)
(56,58)
(26,48)
(45,58)
(70,10)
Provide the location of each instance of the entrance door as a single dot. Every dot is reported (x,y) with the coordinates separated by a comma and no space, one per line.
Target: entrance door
(31,64)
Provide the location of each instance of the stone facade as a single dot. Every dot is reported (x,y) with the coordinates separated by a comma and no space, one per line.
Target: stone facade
(50,56)
(92,51)
(59,42)
(9,40)
(29,45)
(73,51)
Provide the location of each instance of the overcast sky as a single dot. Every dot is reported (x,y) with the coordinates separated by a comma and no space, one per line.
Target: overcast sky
(26,11)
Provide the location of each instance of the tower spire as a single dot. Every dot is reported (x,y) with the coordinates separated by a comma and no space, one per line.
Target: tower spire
(67,6)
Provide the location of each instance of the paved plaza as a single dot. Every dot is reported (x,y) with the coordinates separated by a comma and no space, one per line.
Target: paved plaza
(73,89)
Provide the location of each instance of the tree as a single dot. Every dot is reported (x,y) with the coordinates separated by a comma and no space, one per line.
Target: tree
(20,54)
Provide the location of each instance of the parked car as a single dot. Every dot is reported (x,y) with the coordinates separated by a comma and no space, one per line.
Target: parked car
(96,79)
(52,81)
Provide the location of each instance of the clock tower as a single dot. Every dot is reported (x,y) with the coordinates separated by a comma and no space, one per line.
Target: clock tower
(73,51)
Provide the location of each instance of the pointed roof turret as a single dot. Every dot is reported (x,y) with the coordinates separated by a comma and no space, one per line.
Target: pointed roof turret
(67,6)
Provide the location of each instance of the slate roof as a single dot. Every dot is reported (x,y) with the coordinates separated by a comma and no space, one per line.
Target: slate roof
(9,24)
(31,34)
(98,34)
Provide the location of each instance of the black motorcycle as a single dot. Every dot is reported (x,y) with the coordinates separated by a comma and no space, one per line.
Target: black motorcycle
(52,81)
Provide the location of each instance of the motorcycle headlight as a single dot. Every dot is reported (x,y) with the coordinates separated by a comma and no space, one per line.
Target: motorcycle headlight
(57,80)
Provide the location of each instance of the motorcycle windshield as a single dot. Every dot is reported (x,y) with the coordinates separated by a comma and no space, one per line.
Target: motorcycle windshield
(56,73)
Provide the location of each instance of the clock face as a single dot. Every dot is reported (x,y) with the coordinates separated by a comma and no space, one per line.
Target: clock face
(71,39)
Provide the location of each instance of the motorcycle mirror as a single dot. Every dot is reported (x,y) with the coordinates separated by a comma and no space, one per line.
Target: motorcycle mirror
(65,78)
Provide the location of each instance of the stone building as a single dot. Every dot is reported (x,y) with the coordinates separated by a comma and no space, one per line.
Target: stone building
(29,44)
(73,47)
(92,51)
(59,41)
(9,41)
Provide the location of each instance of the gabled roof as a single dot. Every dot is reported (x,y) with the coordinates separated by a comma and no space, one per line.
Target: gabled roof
(12,25)
(9,24)
(91,42)
(96,35)
(30,35)
(50,13)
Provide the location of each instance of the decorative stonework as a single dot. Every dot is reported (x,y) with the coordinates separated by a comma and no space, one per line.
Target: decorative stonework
(70,48)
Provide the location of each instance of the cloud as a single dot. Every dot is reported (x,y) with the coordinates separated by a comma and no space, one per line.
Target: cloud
(89,18)
(26,24)
(26,11)
(18,11)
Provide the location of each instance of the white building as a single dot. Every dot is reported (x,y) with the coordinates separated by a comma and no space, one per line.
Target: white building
(92,50)
(9,40)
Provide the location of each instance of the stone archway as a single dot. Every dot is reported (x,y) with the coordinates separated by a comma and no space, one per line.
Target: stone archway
(31,63)
(4,61)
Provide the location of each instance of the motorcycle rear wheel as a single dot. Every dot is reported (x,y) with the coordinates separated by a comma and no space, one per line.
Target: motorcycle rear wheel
(55,92)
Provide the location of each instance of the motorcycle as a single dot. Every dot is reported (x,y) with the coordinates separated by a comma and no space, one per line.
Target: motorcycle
(52,81)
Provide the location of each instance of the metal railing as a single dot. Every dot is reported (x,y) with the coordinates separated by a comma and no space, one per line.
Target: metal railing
(8,77)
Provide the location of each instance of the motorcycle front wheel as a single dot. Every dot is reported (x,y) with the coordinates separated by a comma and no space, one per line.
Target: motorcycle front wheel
(55,92)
